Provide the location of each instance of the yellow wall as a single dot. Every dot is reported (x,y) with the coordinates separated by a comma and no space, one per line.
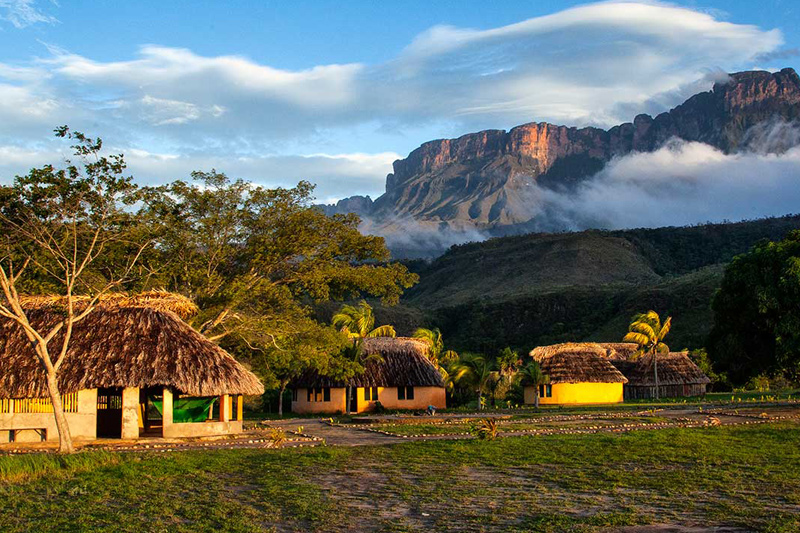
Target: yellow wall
(578,393)
(82,425)
(335,405)
(423,397)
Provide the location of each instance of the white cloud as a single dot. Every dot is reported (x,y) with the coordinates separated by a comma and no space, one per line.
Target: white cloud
(679,184)
(22,13)
(594,64)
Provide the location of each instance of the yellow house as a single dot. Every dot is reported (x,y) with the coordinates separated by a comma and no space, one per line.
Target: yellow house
(133,368)
(403,378)
(579,374)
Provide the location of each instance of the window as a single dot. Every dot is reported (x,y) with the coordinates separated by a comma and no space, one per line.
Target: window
(318,394)
(405,393)
(370,394)
(294,395)
(546,391)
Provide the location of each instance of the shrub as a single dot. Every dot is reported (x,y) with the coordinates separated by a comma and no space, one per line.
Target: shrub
(488,429)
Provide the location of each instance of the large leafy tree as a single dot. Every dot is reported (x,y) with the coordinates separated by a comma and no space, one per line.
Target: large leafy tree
(756,313)
(256,260)
(67,231)
(358,323)
(648,332)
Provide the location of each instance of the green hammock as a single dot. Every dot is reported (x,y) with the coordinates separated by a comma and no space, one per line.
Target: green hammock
(187,409)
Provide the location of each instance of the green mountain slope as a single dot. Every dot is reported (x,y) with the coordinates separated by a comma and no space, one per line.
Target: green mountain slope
(541,288)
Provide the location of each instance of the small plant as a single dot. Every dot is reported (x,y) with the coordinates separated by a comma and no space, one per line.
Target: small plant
(488,429)
(278,437)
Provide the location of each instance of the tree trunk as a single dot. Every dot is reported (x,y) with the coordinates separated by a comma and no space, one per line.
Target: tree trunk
(64,436)
(280,400)
(655,371)
(480,399)
(536,397)
(347,399)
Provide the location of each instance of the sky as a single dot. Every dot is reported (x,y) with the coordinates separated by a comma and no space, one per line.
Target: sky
(333,92)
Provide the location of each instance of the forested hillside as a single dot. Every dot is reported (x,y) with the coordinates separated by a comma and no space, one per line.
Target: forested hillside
(541,288)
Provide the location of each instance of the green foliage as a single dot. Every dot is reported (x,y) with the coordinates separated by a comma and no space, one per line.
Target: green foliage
(256,260)
(487,430)
(582,286)
(648,332)
(719,380)
(756,315)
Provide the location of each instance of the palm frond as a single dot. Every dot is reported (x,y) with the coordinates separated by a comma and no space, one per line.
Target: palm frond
(382,331)
(665,328)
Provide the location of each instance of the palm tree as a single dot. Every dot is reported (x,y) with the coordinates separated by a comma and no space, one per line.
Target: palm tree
(474,370)
(648,332)
(532,375)
(358,323)
(437,354)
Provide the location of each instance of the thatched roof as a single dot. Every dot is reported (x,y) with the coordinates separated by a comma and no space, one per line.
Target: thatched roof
(155,299)
(609,350)
(118,346)
(577,363)
(673,369)
(405,363)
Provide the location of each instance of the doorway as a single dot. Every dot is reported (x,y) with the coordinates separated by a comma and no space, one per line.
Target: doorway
(109,413)
(353,400)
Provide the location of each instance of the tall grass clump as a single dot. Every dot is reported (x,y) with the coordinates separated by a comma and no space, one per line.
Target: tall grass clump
(26,467)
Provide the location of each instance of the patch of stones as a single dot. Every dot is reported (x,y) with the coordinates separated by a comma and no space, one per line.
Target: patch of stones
(682,422)
(298,441)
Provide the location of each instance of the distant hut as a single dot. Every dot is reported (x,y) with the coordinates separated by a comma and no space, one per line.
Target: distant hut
(404,379)
(133,368)
(677,376)
(580,373)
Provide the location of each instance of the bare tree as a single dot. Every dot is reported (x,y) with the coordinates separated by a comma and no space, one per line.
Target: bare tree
(68,232)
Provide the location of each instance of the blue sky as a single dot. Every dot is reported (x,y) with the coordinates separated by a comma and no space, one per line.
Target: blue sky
(333,92)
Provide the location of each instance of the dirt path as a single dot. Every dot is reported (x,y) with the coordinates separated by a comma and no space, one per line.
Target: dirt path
(335,435)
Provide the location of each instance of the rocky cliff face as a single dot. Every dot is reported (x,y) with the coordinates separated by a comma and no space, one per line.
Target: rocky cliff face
(484,179)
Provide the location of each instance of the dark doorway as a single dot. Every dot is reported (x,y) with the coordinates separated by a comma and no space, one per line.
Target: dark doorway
(152,402)
(353,399)
(109,413)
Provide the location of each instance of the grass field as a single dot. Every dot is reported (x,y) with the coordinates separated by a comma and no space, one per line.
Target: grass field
(747,476)
(516,424)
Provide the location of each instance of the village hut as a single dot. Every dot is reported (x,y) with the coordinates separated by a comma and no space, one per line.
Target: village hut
(579,373)
(677,376)
(401,378)
(133,368)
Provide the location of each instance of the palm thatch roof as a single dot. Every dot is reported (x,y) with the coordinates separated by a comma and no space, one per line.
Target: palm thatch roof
(404,363)
(577,363)
(154,299)
(609,350)
(674,368)
(122,346)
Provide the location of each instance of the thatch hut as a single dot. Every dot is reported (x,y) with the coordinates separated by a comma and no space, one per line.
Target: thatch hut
(580,373)
(133,368)
(403,378)
(677,376)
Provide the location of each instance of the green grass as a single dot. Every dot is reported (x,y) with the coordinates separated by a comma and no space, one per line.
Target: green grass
(519,423)
(747,476)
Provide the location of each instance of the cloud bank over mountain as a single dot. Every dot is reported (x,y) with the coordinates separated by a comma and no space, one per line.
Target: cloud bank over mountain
(589,65)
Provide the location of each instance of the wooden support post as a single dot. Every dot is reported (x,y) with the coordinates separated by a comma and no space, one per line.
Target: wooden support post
(225,408)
